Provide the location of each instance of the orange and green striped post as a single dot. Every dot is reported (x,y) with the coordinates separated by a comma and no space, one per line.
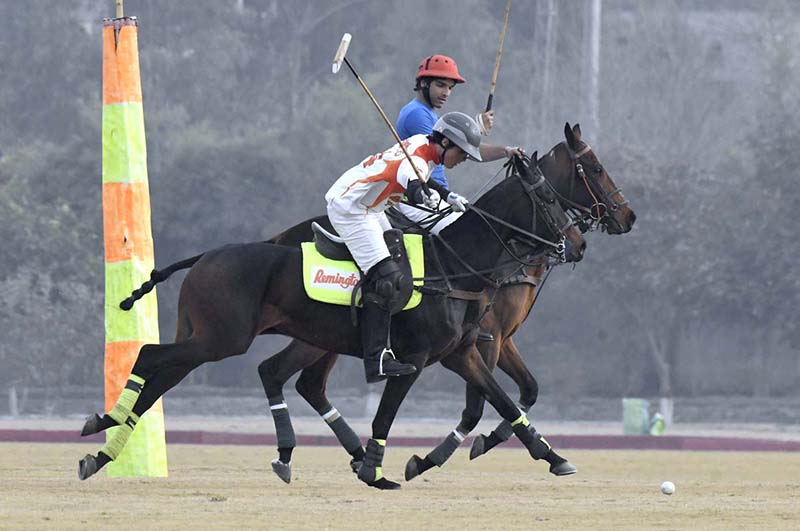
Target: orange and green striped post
(128,244)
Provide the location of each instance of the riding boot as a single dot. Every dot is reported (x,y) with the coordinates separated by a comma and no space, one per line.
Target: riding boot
(379,361)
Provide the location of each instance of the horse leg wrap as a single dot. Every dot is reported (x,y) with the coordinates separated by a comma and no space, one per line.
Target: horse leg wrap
(127,399)
(536,444)
(283,422)
(372,470)
(347,437)
(122,433)
(442,453)
(504,431)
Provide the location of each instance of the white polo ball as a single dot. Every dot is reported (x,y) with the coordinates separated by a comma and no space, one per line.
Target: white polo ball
(668,487)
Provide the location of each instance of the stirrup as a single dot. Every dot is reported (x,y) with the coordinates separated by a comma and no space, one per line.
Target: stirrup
(386,350)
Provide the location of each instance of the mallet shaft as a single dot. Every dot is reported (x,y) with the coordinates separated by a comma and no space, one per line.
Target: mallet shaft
(497,58)
(422,181)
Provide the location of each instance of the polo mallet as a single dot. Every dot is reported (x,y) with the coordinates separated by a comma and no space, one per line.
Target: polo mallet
(499,54)
(337,64)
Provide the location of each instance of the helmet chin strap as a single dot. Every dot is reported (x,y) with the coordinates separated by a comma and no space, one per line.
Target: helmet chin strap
(426,92)
(449,145)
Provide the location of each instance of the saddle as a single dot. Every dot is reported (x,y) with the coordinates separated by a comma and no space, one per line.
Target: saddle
(332,246)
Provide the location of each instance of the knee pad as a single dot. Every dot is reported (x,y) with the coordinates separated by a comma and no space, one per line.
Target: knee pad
(387,286)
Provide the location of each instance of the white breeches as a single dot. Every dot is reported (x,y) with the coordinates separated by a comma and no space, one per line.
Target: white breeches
(415,214)
(363,234)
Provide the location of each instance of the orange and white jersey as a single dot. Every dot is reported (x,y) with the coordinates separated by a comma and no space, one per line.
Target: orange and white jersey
(379,181)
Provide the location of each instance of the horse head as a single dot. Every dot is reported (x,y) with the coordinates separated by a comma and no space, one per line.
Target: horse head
(525,209)
(584,185)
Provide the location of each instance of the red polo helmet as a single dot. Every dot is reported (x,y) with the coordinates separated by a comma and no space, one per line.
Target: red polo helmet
(439,66)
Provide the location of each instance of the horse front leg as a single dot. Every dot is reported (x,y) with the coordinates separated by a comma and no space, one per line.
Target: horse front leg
(473,411)
(471,367)
(470,416)
(511,363)
(371,471)
(311,386)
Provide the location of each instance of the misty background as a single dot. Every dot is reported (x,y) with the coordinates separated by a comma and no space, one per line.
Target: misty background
(694,116)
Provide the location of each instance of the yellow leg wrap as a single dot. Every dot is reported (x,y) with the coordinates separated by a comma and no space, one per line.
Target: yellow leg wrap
(122,433)
(379,469)
(127,399)
(521,420)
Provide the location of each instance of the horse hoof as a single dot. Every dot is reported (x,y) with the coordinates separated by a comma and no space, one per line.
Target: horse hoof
(87,467)
(384,484)
(283,470)
(478,446)
(355,465)
(413,467)
(92,425)
(563,469)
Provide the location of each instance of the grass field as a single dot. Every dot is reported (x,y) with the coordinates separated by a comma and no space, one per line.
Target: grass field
(233,487)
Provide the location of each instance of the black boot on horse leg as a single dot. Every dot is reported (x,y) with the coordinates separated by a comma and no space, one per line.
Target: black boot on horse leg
(483,443)
(438,456)
(539,448)
(371,471)
(382,287)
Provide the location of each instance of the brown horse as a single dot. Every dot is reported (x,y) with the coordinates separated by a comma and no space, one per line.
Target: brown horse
(594,198)
(234,293)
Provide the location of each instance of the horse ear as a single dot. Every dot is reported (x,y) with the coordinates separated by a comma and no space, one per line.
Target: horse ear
(571,141)
(535,157)
(577,131)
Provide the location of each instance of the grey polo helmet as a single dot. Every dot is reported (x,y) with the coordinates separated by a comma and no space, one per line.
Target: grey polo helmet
(462,130)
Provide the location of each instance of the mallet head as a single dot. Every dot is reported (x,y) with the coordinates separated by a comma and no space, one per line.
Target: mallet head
(340,53)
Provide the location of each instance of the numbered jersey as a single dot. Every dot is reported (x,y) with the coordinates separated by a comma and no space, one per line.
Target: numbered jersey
(379,181)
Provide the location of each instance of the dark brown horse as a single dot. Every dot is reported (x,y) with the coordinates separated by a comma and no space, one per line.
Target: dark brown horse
(234,293)
(594,198)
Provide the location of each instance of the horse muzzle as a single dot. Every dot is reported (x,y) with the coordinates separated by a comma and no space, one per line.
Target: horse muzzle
(573,252)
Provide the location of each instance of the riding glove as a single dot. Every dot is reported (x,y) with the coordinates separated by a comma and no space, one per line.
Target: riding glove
(431,201)
(458,202)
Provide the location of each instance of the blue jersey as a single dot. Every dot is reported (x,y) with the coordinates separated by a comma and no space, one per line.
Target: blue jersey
(416,118)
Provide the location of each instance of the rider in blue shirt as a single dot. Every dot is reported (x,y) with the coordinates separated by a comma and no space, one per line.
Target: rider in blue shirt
(437,75)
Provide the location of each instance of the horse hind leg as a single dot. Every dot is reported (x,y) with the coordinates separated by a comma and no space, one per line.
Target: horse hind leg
(140,394)
(275,372)
(311,385)
(120,413)
(95,423)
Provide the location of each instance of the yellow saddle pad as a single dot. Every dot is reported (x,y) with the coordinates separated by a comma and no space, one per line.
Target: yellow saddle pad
(332,281)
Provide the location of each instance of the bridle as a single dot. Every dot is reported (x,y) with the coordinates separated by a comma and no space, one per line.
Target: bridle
(599,214)
(544,204)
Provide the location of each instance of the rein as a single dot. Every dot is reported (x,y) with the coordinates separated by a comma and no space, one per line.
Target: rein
(530,239)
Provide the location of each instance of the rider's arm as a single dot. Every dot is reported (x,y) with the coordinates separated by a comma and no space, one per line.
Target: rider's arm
(490,152)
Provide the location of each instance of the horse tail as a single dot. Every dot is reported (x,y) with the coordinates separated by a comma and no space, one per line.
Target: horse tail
(157,276)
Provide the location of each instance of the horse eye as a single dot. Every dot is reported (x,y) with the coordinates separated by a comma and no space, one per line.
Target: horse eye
(598,169)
